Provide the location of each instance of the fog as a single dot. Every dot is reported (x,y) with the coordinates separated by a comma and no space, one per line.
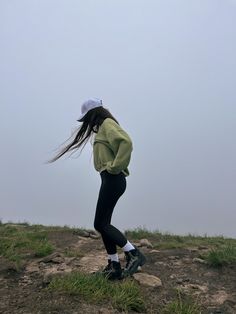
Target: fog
(165,69)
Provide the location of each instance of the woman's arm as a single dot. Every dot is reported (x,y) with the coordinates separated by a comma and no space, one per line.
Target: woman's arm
(121,146)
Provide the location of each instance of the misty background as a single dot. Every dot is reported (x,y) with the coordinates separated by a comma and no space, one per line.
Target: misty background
(165,69)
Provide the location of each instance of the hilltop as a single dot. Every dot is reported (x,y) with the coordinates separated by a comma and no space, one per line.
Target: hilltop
(48,270)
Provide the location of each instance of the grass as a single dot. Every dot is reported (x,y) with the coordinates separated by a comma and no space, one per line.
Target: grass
(17,242)
(40,227)
(222,250)
(20,239)
(167,240)
(182,305)
(124,296)
(73,253)
(221,256)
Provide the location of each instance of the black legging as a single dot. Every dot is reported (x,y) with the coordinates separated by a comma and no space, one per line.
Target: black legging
(112,187)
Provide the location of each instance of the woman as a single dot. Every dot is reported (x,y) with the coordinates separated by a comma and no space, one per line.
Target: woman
(112,149)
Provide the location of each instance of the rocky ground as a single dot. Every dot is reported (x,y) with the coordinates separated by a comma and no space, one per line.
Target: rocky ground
(23,291)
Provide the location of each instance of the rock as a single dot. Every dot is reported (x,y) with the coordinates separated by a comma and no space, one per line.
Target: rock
(194,287)
(53,272)
(179,281)
(92,262)
(62,266)
(208,274)
(173,257)
(219,297)
(68,260)
(198,287)
(54,257)
(154,251)
(24,280)
(136,243)
(49,274)
(105,311)
(82,233)
(199,260)
(159,263)
(147,280)
(92,231)
(177,264)
(202,247)
(32,268)
(76,263)
(87,233)
(192,249)
(57,260)
(187,260)
(182,280)
(146,242)
(94,236)
(81,242)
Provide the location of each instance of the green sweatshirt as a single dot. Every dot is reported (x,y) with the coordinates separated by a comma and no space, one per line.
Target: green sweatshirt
(112,148)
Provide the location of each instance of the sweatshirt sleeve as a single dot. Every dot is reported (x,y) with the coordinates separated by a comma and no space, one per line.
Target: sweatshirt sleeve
(121,146)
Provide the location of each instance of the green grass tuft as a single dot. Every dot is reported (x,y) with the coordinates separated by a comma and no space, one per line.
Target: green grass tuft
(42,249)
(73,253)
(140,233)
(218,257)
(124,296)
(182,305)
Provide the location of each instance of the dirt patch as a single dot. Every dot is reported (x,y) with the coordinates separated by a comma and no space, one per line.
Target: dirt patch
(62,240)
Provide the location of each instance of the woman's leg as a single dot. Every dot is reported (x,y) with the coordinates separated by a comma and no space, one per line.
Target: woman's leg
(112,187)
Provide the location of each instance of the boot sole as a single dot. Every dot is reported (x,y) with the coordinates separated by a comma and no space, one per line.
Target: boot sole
(114,276)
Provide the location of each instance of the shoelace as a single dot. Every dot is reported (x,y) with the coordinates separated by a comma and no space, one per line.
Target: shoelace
(108,267)
(129,257)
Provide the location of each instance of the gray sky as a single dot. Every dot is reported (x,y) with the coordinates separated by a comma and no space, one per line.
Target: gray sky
(165,69)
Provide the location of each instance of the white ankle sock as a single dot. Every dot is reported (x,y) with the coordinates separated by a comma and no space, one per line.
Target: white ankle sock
(128,247)
(113,257)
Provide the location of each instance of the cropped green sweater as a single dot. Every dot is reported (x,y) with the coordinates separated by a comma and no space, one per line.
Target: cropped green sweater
(112,148)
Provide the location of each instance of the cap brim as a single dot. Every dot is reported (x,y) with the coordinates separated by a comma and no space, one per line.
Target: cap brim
(81,118)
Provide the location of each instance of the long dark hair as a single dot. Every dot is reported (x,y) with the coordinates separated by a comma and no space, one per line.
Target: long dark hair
(91,122)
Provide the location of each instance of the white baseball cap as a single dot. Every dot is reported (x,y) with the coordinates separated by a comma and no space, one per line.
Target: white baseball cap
(89,104)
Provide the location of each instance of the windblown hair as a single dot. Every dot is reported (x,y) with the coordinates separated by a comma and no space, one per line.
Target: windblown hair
(91,122)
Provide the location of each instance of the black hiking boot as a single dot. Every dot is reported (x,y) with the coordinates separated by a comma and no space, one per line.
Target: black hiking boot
(134,259)
(111,271)
(105,270)
(115,271)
